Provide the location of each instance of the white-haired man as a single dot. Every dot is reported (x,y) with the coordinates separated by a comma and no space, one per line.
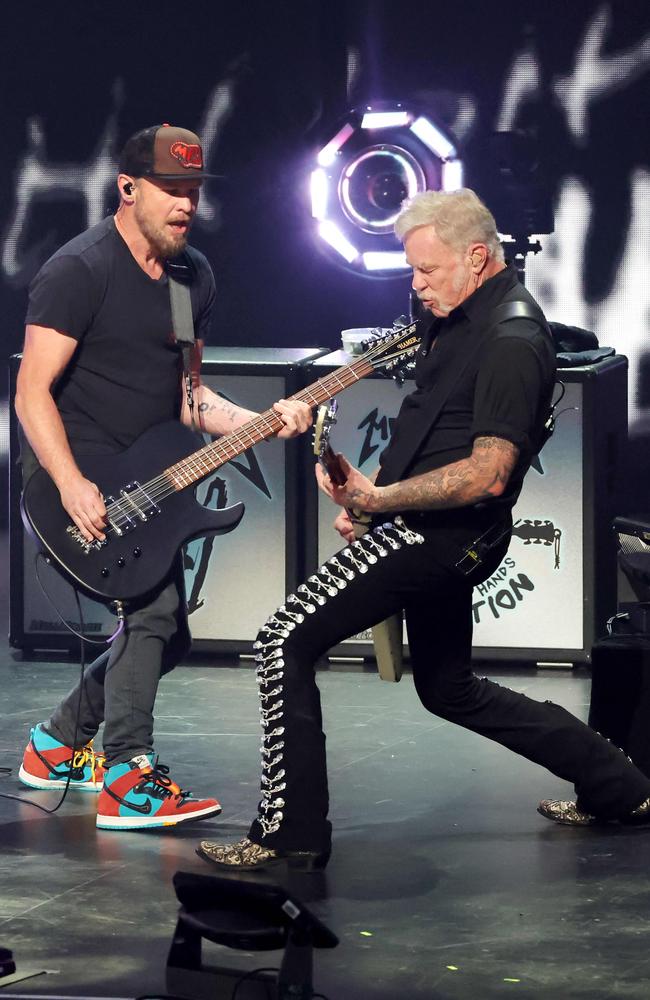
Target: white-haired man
(441,514)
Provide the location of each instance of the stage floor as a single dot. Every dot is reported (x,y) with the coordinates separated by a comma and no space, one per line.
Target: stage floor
(444,882)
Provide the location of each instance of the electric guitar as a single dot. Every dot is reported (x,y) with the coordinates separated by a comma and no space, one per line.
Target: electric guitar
(387,636)
(151,510)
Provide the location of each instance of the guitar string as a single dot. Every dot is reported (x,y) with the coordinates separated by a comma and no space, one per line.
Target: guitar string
(163,485)
(193,462)
(216,454)
(206,460)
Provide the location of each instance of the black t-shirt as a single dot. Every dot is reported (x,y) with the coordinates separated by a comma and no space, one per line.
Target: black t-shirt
(125,374)
(504,390)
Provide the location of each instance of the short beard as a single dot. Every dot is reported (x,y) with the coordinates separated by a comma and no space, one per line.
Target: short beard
(457,286)
(166,247)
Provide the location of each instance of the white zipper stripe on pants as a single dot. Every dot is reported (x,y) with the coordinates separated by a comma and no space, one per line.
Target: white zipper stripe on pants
(326,584)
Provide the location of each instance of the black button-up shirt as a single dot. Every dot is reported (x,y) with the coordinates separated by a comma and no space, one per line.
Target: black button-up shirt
(503,387)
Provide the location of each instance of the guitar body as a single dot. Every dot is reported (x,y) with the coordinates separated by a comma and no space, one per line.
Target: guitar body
(131,565)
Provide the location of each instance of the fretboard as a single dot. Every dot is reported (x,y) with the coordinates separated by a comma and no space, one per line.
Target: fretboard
(201,463)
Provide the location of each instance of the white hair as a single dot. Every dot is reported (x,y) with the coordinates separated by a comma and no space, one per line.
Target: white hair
(458,217)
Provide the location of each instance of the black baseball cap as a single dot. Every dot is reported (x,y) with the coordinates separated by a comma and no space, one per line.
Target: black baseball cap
(165,152)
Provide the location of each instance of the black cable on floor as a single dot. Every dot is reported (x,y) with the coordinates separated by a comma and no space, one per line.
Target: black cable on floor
(249,976)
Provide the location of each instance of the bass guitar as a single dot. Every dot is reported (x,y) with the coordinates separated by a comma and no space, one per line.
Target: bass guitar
(151,510)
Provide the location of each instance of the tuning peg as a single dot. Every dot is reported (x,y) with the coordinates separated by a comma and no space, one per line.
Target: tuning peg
(400,375)
(400,322)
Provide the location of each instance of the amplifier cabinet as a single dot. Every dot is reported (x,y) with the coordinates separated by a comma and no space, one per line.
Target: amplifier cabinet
(620,694)
(556,587)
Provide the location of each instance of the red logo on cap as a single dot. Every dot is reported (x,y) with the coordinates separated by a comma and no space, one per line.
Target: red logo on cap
(189,155)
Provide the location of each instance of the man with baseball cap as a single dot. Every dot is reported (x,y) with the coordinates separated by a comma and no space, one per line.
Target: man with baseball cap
(100,366)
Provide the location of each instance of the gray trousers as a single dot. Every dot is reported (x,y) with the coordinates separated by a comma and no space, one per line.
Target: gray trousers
(119,687)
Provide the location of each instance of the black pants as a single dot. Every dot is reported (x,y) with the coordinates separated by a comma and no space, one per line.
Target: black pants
(119,687)
(395,567)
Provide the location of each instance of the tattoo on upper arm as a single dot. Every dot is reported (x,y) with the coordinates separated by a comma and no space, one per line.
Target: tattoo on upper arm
(506,451)
(494,459)
(482,475)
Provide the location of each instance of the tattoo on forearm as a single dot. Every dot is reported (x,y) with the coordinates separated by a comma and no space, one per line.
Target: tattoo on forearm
(482,475)
(228,410)
(359,498)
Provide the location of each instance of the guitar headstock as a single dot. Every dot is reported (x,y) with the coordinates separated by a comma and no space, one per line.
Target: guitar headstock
(392,354)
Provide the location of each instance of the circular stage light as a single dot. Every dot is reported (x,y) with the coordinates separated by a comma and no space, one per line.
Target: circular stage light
(378,157)
(374,185)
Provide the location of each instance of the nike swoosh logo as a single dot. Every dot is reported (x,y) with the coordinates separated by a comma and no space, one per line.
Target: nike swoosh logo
(144,809)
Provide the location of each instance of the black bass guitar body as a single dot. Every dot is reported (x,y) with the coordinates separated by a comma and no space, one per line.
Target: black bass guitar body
(147,525)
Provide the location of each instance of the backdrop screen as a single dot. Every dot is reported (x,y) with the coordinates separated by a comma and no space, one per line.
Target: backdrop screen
(264,84)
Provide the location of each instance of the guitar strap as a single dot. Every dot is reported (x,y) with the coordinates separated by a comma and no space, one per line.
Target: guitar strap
(180,275)
(524,310)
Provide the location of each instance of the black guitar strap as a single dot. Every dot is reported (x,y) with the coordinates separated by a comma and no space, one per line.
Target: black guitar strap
(514,310)
(180,275)
(524,310)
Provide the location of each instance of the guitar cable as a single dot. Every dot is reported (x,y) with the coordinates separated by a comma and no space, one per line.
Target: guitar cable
(121,616)
(119,611)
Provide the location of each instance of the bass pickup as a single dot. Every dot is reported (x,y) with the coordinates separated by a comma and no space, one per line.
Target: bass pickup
(133,504)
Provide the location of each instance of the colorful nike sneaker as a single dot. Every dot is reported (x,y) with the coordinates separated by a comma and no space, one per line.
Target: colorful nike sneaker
(140,795)
(47,763)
